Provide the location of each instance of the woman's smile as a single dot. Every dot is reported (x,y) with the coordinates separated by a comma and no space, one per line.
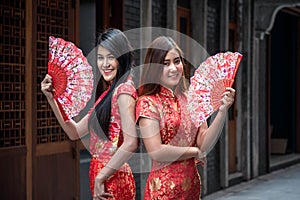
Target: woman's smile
(107,64)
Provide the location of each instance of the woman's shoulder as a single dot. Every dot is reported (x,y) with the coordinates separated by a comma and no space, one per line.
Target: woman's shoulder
(147,100)
(127,87)
(147,106)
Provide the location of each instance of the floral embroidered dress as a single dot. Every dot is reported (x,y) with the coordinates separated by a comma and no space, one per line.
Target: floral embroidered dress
(121,184)
(180,179)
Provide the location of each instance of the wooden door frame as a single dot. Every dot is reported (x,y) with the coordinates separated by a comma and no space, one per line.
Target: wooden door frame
(184,13)
(34,150)
(111,13)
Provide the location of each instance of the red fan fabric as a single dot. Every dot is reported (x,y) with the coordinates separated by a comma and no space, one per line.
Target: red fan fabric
(72,76)
(209,83)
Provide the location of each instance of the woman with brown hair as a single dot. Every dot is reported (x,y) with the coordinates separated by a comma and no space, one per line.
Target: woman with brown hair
(171,139)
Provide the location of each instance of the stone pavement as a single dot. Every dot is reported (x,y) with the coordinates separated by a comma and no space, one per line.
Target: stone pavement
(281,184)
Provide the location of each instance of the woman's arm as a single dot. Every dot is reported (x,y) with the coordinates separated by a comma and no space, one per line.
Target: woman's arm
(207,137)
(127,111)
(73,130)
(126,105)
(150,131)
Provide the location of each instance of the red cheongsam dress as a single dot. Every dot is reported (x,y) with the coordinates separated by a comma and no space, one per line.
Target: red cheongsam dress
(121,184)
(179,179)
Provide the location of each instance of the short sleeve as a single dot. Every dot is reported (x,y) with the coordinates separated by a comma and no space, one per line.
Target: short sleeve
(145,107)
(126,88)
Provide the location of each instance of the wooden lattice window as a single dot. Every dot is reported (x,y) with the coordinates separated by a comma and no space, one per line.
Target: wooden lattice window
(53,18)
(12,73)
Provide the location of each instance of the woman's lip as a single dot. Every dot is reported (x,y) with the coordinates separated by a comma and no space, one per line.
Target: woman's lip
(173,75)
(107,70)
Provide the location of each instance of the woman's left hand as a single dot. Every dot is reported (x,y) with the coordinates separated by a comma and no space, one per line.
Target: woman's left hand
(228,99)
(99,191)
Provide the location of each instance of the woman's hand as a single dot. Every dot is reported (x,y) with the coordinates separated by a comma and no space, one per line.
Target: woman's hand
(201,157)
(228,99)
(47,87)
(99,191)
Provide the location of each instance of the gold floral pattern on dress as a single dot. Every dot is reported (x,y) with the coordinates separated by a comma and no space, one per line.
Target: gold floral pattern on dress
(180,179)
(172,185)
(186,184)
(155,184)
(121,184)
(152,108)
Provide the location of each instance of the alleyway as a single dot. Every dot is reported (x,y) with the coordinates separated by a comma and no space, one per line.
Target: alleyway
(281,184)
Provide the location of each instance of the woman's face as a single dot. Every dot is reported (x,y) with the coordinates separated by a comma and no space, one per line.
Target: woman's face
(172,69)
(107,64)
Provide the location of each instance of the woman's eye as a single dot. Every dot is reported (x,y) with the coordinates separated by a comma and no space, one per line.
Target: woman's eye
(177,61)
(166,63)
(100,57)
(111,57)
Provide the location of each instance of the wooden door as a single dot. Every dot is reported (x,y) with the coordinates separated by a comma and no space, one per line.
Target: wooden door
(37,159)
(56,174)
(109,14)
(183,21)
(55,160)
(13,143)
(184,26)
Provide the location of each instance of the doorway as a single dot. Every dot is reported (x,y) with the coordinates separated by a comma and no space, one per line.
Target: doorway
(284,87)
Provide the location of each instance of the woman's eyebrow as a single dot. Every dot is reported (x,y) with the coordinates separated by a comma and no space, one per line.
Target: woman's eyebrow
(100,54)
(173,59)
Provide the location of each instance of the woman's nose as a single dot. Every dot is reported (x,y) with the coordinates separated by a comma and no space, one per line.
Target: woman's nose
(172,67)
(105,62)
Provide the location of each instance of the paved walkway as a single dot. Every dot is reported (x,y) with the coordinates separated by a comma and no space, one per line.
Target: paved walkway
(282,184)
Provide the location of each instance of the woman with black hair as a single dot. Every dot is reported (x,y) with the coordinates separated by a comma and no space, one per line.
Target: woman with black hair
(110,122)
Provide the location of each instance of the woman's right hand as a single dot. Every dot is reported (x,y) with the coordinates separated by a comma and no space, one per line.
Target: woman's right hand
(99,191)
(47,87)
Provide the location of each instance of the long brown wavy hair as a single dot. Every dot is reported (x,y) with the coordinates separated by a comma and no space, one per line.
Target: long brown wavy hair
(153,66)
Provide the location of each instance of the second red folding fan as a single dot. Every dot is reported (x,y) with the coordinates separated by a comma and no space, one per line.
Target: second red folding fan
(209,83)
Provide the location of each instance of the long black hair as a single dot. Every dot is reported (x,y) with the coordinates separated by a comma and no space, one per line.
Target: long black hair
(118,45)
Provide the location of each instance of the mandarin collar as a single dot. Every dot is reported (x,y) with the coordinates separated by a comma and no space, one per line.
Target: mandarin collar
(167,92)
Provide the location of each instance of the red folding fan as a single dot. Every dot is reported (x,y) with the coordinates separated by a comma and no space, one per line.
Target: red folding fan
(72,76)
(209,83)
